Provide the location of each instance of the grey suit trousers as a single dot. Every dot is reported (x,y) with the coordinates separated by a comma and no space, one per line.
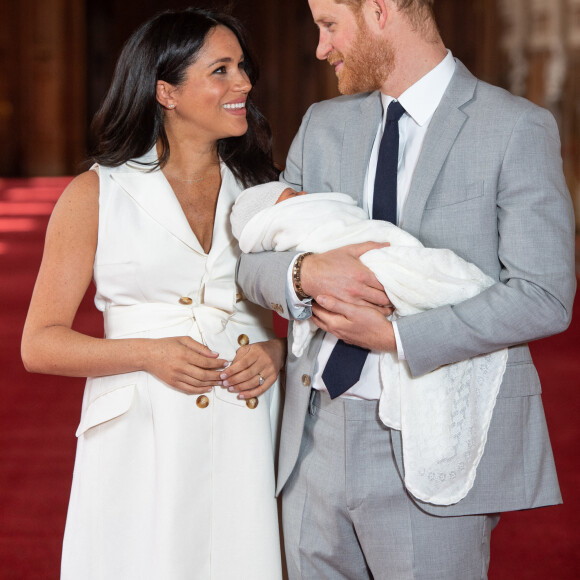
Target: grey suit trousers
(347,515)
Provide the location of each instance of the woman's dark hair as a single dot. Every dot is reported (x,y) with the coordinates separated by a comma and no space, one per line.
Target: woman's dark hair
(130,120)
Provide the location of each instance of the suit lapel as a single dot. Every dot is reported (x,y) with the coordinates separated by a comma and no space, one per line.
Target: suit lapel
(357,147)
(441,135)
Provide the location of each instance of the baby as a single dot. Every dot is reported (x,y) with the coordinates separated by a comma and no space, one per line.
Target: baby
(289,193)
(415,278)
(440,453)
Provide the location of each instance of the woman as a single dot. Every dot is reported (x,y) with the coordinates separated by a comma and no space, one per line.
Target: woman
(174,472)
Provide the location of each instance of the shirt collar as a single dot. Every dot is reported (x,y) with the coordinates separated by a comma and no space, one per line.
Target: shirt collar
(421,99)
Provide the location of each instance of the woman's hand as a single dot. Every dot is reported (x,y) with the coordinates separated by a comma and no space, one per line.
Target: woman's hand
(260,359)
(184,364)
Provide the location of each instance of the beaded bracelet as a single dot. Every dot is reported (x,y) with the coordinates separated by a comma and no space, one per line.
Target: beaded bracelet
(296,276)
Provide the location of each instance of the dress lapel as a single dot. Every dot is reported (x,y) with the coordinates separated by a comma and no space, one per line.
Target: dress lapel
(152,192)
(219,287)
(222,237)
(441,135)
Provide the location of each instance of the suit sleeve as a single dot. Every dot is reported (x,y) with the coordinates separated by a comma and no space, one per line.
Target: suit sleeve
(535,245)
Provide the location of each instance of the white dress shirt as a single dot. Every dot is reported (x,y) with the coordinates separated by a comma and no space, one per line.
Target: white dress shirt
(420,102)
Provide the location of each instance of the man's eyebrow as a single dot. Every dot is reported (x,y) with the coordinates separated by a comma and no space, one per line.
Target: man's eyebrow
(324,18)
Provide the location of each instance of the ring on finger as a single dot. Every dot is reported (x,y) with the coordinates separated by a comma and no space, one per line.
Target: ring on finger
(260,379)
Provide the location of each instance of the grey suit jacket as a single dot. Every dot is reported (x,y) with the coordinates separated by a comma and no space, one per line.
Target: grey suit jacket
(488,185)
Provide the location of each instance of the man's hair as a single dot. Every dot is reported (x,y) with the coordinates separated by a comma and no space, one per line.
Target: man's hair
(419,12)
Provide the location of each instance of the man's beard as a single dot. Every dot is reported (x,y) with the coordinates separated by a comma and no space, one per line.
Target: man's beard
(367,65)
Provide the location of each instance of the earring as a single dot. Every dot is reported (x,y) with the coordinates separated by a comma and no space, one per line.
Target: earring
(172,106)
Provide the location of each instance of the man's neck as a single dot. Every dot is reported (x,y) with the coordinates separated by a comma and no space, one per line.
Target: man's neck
(413,62)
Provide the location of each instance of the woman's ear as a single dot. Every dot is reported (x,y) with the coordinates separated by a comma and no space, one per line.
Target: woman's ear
(164,92)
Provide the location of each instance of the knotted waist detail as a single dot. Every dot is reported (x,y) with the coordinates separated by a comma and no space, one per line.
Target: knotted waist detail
(127,320)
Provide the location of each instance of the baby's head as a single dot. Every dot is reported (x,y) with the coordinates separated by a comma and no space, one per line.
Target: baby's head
(289,193)
(257,198)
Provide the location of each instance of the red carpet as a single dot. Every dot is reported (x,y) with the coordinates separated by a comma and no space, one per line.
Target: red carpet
(39,415)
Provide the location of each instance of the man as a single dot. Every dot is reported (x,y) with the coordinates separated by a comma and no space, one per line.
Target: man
(477,171)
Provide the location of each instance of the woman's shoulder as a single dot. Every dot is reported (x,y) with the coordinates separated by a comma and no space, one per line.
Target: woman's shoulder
(80,199)
(83,185)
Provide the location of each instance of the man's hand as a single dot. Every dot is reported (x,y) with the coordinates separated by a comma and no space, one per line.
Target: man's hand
(361,325)
(340,273)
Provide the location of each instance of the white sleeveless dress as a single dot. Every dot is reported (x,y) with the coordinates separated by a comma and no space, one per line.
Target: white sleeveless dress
(170,486)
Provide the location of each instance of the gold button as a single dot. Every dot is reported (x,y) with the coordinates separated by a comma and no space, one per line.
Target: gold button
(252,403)
(202,402)
(243,340)
(306,380)
(239,296)
(185,300)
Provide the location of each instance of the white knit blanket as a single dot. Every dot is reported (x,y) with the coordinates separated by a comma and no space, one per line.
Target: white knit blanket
(443,415)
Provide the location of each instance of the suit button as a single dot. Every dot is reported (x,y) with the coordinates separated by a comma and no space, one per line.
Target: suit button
(243,340)
(306,380)
(202,402)
(239,296)
(185,300)
(252,403)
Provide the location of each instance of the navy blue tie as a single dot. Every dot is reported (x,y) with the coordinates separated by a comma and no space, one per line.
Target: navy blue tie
(346,361)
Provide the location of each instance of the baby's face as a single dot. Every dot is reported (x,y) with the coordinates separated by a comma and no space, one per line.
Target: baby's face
(289,193)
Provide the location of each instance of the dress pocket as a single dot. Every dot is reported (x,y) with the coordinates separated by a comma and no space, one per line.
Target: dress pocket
(107,406)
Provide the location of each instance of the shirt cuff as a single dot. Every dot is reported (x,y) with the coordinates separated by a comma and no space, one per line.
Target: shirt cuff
(298,309)
(400,351)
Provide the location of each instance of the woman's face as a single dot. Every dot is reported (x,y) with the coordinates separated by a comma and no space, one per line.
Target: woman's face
(211,101)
